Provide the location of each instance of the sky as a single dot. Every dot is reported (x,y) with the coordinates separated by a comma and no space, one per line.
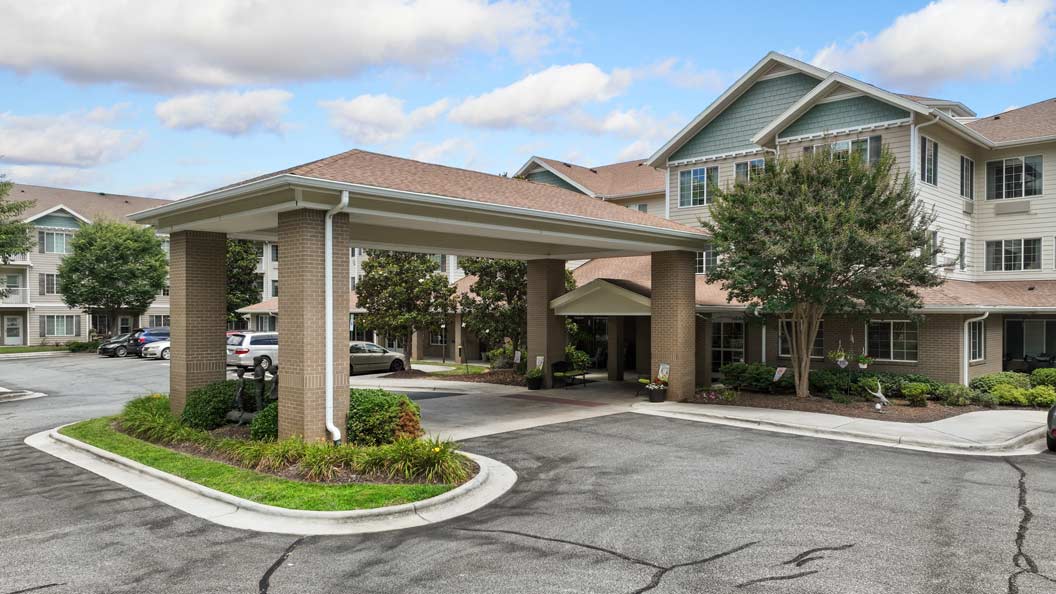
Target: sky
(169,98)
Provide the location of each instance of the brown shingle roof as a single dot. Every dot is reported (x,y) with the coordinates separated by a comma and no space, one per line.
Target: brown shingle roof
(635,273)
(617,179)
(92,205)
(384,171)
(1033,121)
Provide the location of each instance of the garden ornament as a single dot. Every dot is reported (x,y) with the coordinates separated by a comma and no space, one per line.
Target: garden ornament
(878,394)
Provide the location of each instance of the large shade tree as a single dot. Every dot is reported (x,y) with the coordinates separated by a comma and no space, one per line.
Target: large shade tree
(403,292)
(242,280)
(822,235)
(16,236)
(114,268)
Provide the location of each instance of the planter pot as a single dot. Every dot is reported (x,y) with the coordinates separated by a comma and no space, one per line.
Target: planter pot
(534,383)
(863,366)
(842,363)
(657,395)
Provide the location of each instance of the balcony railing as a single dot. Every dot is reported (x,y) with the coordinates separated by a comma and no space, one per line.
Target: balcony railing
(19,259)
(15,296)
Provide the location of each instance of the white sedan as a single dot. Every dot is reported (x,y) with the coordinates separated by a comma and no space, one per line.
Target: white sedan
(157,350)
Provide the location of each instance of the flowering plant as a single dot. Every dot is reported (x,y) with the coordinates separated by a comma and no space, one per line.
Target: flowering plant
(719,393)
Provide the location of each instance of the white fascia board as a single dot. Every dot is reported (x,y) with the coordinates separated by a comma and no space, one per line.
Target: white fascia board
(599,284)
(718,157)
(827,133)
(728,96)
(54,209)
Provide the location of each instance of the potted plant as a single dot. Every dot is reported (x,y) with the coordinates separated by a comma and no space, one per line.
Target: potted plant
(864,361)
(657,390)
(839,356)
(534,378)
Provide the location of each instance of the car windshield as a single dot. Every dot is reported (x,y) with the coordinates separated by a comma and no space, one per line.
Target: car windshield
(235,339)
(121,337)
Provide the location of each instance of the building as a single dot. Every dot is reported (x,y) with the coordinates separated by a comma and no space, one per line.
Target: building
(32,312)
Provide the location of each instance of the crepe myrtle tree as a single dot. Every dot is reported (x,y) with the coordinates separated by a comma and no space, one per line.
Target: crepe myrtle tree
(822,235)
(16,236)
(403,292)
(242,280)
(114,267)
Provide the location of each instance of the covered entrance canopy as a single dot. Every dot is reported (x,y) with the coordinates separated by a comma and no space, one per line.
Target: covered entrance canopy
(377,201)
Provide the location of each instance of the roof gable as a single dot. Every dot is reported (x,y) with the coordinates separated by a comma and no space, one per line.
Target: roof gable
(853,112)
(628,178)
(58,216)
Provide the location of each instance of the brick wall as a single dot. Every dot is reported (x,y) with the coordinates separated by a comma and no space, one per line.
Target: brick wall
(673,325)
(546,331)
(198,278)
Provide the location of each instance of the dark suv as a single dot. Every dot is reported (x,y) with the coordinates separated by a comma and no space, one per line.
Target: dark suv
(145,336)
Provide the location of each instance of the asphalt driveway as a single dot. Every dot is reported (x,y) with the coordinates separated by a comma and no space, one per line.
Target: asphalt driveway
(621,503)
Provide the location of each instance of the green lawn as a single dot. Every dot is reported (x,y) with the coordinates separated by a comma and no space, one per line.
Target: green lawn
(248,484)
(30,349)
(457,369)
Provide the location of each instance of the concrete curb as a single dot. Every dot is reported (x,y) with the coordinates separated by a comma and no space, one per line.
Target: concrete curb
(6,396)
(1025,444)
(493,480)
(37,355)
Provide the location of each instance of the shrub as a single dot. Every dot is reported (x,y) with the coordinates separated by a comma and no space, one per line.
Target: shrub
(987,383)
(578,359)
(377,417)
(83,347)
(1042,396)
(955,395)
(917,393)
(265,425)
(831,381)
(1046,376)
(207,406)
(842,398)
(1010,395)
(501,358)
(985,400)
(756,377)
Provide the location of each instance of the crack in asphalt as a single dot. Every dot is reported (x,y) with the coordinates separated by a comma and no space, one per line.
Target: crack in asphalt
(661,570)
(35,588)
(775,578)
(265,580)
(807,556)
(1021,558)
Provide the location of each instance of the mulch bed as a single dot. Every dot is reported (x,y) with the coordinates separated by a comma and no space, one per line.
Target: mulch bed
(506,377)
(898,411)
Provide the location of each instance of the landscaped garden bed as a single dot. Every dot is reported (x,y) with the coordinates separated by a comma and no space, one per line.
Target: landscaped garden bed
(386,461)
(912,398)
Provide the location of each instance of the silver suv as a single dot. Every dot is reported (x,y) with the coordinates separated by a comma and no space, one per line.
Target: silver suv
(243,346)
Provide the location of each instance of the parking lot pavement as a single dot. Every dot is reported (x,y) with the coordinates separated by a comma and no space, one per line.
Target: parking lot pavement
(622,503)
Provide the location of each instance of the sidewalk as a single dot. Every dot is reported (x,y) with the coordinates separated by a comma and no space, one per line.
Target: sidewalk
(988,433)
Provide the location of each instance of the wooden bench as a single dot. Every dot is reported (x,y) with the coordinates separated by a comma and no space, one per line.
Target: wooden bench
(564,371)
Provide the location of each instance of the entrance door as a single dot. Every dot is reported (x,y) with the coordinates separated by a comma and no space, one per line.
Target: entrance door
(12,330)
(727,344)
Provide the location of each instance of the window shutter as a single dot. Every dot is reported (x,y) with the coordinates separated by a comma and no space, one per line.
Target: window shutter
(40,242)
(77,326)
(41,289)
(43,327)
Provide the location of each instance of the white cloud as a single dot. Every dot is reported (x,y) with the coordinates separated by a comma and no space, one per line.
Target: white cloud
(949,40)
(457,152)
(532,101)
(226,112)
(74,139)
(173,43)
(46,175)
(647,130)
(1009,108)
(685,74)
(377,119)
(639,149)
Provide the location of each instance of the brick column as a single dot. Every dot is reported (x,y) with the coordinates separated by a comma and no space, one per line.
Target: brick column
(614,327)
(546,331)
(302,344)
(198,308)
(673,320)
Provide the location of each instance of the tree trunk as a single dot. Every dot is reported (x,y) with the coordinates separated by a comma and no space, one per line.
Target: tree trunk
(408,347)
(805,321)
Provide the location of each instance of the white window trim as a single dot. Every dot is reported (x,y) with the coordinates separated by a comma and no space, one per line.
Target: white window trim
(748,164)
(1022,253)
(986,177)
(707,186)
(65,241)
(54,277)
(921,175)
(891,331)
(69,325)
(971,178)
(700,256)
(982,341)
(781,332)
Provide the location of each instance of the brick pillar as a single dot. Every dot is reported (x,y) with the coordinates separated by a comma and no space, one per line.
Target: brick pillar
(302,343)
(198,308)
(673,320)
(546,331)
(614,327)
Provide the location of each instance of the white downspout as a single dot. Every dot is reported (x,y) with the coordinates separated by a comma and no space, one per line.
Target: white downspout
(967,345)
(328,292)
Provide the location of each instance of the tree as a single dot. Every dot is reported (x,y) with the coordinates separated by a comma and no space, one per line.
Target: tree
(498,305)
(822,235)
(403,292)
(242,288)
(16,236)
(115,267)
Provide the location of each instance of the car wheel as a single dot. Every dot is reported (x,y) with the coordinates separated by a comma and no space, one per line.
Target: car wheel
(265,363)
(165,354)
(121,352)
(396,365)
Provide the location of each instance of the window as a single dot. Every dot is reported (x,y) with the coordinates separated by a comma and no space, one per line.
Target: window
(744,170)
(166,247)
(358,332)
(275,287)
(1029,338)
(784,335)
(259,246)
(1015,177)
(165,291)
(967,178)
(640,207)
(438,337)
(352,283)
(53,243)
(694,185)
(977,340)
(441,262)
(1010,255)
(929,161)
(157,321)
(259,284)
(60,325)
(962,256)
(869,148)
(124,324)
(274,252)
(891,340)
(49,284)
(267,323)
(706,259)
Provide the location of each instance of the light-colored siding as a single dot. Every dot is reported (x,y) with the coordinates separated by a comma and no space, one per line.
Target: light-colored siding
(733,129)
(653,202)
(951,221)
(840,115)
(692,215)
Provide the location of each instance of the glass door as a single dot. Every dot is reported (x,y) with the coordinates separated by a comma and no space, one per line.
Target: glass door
(727,344)
(12,330)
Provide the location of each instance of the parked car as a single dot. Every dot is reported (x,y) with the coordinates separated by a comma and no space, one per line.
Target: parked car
(1050,437)
(243,346)
(116,346)
(146,336)
(158,349)
(366,356)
